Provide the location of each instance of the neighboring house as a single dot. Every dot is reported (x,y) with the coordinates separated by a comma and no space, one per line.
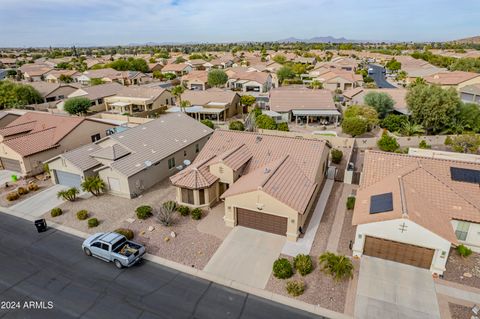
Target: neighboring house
(36,136)
(54,75)
(177,69)
(111,75)
(306,105)
(8,62)
(455,79)
(96,94)
(134,160)
(214,104)
(258,82)
(137,99)
(93,62)
(222,62)
(7,118)
(412,209)
(357,95)
(470,93)
(197,64)
(303,60)
(52,92)
(34,72)
(416,68)
(152,67)
(196,80)
(338,80)
(254,174)
(339,64)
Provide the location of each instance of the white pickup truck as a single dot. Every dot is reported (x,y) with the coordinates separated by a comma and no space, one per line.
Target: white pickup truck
(113,247)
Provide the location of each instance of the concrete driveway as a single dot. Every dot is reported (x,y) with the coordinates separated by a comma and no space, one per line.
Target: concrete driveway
(388,289)
(246,256)
(6,176)
(40,203)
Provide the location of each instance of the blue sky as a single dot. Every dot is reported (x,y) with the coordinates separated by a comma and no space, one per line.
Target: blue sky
(112,22)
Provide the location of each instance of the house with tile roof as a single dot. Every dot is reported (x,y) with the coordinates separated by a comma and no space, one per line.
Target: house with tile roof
(240,79)
(357,95)
(33,72)
(134,160)
(266,182)
(36,136)
(138,100)
(52,92)
(413,209)
(455,79)
(96,94)
(196,80)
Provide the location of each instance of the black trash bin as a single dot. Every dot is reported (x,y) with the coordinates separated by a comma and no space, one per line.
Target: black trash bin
(41,225)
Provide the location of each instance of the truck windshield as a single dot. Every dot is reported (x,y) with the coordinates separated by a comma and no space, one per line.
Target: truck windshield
(116,246)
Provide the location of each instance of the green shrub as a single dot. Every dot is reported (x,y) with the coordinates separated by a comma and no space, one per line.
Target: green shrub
(295,287)
(170,204)
(336,156)
(283,127)
(82,214)
(463,250)
(183,210)
(56,212)
(448,141)
(32,187)
(22,191)
(354,126)
(128,233)
(423,144)
(338,266)
(388,143)
(282,268)
(208,123)
(144,211)
(236,126)
(12,196)
(196,213)
(350,202)
(92,222)
(303,264)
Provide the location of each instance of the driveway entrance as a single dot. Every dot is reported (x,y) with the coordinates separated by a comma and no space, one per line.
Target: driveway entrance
(40,203)
(388,289)
(246,256)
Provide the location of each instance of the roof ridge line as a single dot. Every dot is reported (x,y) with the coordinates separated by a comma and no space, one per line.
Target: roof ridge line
(31,133)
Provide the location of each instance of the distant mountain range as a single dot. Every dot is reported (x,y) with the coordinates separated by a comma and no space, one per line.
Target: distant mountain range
(327,39)
(474,40)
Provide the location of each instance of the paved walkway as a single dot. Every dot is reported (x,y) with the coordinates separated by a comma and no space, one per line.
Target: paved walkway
(40,203)
(458,291)
(304,245)
(387,289)
(246,256)
(336,231)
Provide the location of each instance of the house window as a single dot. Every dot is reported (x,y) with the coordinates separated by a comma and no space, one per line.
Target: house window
(201,194)
(462,230)
(187,196)
(95,137)
(197,148)
(166,101)
(171,163)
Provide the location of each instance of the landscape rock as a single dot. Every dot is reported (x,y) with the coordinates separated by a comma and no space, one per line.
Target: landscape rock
(173,234)
(467,275)
(166,238)
(151,228)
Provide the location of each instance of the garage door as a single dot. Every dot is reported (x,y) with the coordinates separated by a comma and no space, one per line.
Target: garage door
(68,179)
(11,164)
(403,253)
(196,87)
(261,221)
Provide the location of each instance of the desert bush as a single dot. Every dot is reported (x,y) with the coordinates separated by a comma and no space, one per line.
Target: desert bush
(303,264)
(463,250)
(350,202)
(423,144)
(68,194)
(295,287)
(144,211)
(336,156)
(92,222)
(56,212)
(170,204)
(82,214)
(196,213)
(183,210)
(32,187)
(22,191)
(12,196)
(128,233)
(339,266)
(282,268)
(166,215)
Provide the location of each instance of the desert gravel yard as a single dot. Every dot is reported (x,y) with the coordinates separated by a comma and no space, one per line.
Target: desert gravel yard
(459,311)
(462,270)
(189,246)
(348,234)
(13,186)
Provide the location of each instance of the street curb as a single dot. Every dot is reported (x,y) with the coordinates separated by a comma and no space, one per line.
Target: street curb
(315,309)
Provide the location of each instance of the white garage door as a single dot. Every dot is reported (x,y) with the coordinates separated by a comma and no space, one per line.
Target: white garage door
(68,179)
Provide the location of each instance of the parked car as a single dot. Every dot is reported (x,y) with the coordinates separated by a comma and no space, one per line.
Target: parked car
(113,247)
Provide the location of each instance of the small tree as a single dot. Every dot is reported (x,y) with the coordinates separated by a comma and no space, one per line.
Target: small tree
(96,81)
(285,73)
(177,92)
(208,123)
(65,78)
(388,143)
(217,78)
(77,105)
(381,102)
(247,100)
(354,126)
(315,84)
(94,185)
(466,143)
(283,127)
(265,122)
(68,194)
(336,156)
(393,122)
(184,104)
(236,126)
(340,267)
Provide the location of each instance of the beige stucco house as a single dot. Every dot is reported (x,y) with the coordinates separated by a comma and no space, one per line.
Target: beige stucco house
(134,160)
(138,99)
(255,175)
(455,79)
(35,137)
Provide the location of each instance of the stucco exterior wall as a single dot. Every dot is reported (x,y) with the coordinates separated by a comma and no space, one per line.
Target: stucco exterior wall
(414,234)
(473,236)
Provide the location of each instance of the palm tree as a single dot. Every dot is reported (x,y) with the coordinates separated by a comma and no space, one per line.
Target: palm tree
(177,92)
(68,194)
(339,266)
(94,185)
(410,129)
(315,84)
(184,105)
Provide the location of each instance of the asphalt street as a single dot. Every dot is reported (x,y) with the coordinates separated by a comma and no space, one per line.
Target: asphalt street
(379,77)
(51,268)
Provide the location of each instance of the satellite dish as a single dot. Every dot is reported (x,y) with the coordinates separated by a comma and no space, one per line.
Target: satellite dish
(148,163)
(179,167)
(187,162)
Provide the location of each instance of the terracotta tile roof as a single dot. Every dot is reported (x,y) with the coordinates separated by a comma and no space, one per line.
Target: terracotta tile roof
(209,96)
(422,189)
(451,78)
(174,67)
(397,94)
(287,99)
(284,167)
(100,91)
(260,77)
(196,75)
(140,92)
(346,75)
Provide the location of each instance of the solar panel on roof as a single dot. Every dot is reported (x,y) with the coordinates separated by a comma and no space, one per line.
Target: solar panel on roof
(381,203)
(465,175)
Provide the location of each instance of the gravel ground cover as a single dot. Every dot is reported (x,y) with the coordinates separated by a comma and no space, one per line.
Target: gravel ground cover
(462,270)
